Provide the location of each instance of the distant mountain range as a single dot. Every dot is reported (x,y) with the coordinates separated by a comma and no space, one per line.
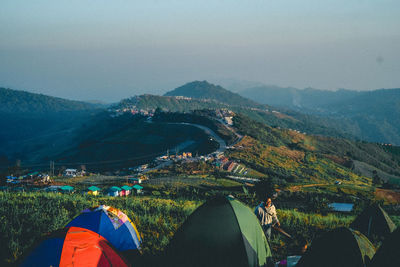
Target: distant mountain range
(203,95)
(40,128)
(372,115)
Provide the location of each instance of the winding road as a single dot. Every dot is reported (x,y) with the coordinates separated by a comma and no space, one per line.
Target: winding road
(221,142)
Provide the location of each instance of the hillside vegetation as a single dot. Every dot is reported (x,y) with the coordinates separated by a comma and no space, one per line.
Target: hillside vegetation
(205,90)
(264,114)
(14,101)
(296,157)
(371,116)
(127,140)
(34,125)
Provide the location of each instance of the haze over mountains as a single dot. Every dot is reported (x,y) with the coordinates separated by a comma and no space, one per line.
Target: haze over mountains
(40,127)
(373,116)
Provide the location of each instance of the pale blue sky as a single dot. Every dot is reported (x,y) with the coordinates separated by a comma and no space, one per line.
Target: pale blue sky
(109,50)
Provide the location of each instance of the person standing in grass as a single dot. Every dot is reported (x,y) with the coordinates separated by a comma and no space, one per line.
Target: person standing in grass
(266,213)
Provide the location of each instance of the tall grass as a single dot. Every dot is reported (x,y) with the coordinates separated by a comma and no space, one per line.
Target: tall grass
(25,217)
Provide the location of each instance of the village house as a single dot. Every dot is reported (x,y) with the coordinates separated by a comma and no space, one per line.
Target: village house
(229,166)
(70,172)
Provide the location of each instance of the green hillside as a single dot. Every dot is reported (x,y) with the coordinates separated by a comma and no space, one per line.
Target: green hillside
(168,103)
(264,114)
(296,157)
(108,143)
(36,125)
(14,101)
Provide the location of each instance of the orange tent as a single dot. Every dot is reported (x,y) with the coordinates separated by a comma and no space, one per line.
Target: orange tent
(74,246)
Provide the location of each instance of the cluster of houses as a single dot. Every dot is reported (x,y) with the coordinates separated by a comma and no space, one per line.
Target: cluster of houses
(132,110)
(183,97)
(139,168)
(74,173)
(225,164)
(184,155)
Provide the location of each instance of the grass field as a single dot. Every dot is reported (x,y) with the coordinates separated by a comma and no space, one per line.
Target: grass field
(26,217)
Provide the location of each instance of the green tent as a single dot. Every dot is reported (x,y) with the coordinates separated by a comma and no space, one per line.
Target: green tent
(115,189)
(66,188)
(387,252)
(137,187)
(94,188)
(126,187)
(341,247)
(222,232)
(374,223)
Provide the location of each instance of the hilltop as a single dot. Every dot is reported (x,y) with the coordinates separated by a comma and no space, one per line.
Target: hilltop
(206,90)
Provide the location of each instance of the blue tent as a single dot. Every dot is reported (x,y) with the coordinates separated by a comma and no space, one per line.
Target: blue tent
(114,191)
(110,223)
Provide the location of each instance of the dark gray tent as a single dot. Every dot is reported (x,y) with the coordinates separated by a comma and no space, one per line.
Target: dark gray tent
(342,247)
(222,232)
(374,223)
(387,254)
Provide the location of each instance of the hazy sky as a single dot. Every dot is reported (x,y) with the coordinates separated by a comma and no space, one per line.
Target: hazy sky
(108,50)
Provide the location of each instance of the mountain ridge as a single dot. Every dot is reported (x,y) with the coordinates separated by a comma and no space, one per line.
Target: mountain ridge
(18,101)
(372,115)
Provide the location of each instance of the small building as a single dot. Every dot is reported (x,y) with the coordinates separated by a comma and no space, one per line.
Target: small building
(93,190)
(114,191)
(46,178)
(137,188)
(228,120)
(70,172)
(229,166)
(126,190)
(66,189)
